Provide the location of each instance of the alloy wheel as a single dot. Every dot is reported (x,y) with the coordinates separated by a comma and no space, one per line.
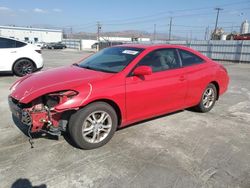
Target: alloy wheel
(96,127)
(208,98)
(24,67)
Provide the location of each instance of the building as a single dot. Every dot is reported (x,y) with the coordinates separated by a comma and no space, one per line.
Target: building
(106,41)
(244,27)
(32,35)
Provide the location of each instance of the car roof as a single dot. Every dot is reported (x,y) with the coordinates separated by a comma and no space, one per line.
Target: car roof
(12,39)
(159,46)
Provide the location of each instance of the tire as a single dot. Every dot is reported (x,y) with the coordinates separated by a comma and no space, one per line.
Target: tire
(23,67)
(208,99)
(84,127)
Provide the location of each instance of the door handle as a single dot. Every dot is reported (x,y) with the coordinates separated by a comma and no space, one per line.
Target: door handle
(182,78)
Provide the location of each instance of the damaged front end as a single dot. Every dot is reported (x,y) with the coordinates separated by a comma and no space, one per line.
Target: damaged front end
(44,113)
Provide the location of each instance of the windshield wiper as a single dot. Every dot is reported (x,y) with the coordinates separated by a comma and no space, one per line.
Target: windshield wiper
(108,71)
(76,64)
(88,67)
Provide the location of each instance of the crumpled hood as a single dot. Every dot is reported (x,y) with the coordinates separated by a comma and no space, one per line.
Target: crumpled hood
(63,78)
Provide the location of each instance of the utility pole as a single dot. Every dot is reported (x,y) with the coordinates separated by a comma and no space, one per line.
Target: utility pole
(206,33)
(217,17)
(71,32)
(170,28)
(98,34)
(154,32)
(232,29)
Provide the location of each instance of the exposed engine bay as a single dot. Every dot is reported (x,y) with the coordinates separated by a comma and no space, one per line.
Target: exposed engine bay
(41,115)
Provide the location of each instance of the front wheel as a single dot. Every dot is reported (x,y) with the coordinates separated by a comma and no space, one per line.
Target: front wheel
(208,99)
(93,126)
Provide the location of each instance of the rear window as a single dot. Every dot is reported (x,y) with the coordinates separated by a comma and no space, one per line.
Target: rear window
(9,43)
(189,58)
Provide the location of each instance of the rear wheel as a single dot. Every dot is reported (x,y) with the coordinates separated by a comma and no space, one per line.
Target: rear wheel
(93,126)
(23,67)
(208,99)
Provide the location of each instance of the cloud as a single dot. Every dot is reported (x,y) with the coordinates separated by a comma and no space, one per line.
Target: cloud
(22,10)
(57,10)
(38,10)
(5,9)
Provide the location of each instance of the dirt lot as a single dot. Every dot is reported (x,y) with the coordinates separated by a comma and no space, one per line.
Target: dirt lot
(184,149)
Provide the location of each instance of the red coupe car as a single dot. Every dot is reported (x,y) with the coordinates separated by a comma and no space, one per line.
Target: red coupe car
(114,88)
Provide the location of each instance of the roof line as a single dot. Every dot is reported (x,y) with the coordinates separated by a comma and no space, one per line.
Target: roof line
(29,28)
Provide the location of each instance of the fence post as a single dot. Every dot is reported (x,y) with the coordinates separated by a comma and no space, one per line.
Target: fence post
(240,51)
(209,49)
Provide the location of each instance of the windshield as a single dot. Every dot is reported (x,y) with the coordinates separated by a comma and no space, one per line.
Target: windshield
(111,60)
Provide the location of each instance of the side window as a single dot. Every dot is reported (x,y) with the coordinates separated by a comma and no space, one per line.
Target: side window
(189,58)
(160,60)
(7,43)
(20,44)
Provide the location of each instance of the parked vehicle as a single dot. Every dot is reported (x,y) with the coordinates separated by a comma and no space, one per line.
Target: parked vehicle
(19,57)
(42,45)
(57,45)
(114,88)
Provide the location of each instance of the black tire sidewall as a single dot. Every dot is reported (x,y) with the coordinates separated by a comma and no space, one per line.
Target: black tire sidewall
(16,72)
(201,107)
(77,119)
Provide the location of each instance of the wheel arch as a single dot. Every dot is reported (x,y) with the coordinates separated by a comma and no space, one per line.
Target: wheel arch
(215,83)
(112,104)
(21,59)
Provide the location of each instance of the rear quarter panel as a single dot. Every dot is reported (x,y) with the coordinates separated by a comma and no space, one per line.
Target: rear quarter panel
(222,78)
(198,76)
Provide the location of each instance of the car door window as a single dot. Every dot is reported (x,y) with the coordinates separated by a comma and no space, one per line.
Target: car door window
(20,44)
(7,43)
(189,58)
(160,60)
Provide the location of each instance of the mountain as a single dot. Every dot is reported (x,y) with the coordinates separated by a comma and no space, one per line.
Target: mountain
(126,33)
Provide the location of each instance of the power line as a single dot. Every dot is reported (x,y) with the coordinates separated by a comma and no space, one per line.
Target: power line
(91,25)
(167,13)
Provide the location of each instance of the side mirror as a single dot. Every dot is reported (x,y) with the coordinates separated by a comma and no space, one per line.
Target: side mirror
(142,71)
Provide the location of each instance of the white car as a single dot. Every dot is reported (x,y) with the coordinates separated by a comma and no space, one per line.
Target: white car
(19,57)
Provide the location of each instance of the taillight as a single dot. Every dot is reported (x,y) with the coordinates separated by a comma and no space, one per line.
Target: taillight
(39,51)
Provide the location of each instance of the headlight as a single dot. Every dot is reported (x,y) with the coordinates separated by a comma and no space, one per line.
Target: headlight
(54,99)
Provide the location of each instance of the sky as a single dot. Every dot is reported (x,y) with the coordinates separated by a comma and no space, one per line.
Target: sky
(189,17)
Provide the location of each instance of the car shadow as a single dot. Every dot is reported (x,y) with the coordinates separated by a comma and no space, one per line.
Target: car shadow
(66,136)
(150,119)
(6,74)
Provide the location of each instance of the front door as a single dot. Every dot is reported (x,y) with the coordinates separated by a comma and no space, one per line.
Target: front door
(161,92)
